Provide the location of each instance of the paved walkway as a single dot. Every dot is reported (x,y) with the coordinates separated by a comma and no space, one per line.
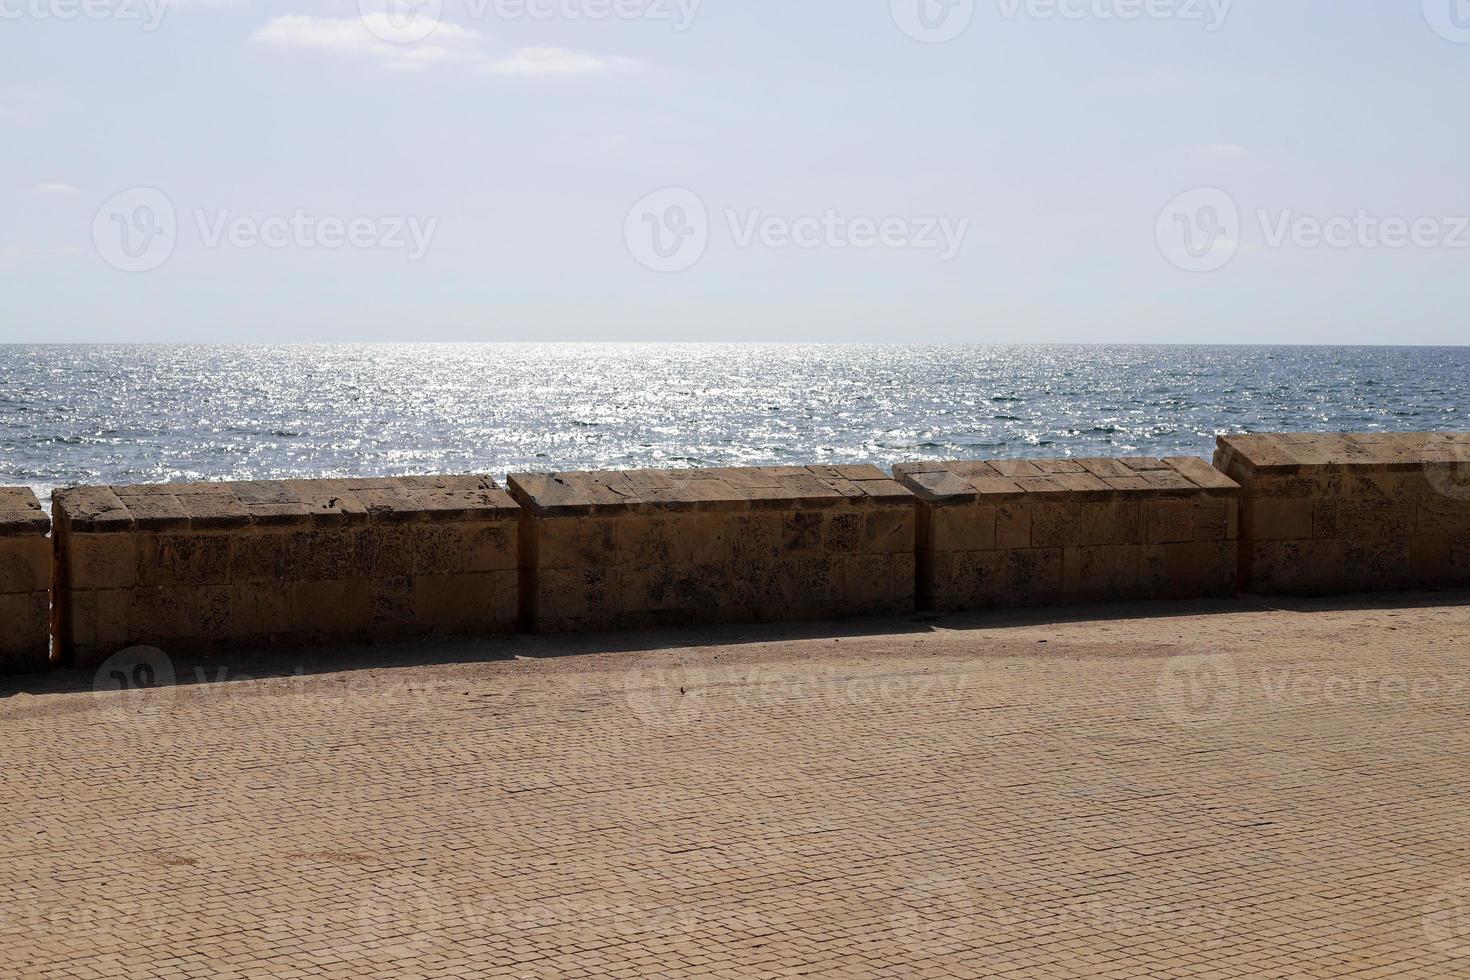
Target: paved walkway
(1237,791)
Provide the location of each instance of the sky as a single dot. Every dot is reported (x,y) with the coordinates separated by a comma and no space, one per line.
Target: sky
(1172,171)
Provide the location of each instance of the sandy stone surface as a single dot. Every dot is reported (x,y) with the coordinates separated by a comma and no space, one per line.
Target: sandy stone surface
(1212,790)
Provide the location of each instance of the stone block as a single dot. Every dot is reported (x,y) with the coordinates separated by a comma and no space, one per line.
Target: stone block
(1189,519)
(183,558)
(1070,531)
(576,542)
(802,530)
(1189,569)
(1101,572)
(209,566)
(25,564)
(868,578)
(718,545)
(260,609)
(1366,512)
(1013,525)
(25,634)
(102,561)
(652,540)
(463,603)
(1278,518)
(962,527)
(844,532)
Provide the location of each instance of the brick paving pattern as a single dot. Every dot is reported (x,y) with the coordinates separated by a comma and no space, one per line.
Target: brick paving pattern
(1227,791)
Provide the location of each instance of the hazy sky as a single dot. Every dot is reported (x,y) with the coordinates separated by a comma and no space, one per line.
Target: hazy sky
(735,169)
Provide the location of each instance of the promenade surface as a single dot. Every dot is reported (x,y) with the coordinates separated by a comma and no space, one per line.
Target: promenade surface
(1210,790)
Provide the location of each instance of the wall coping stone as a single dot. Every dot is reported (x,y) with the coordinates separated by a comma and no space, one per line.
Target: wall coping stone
(276,503)
(1063,480)
(21,513)
(1288,453)
(732,489)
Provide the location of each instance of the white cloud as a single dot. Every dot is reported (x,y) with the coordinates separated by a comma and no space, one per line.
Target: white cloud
(365,37)
(370,37)
(54,189)
(558,61)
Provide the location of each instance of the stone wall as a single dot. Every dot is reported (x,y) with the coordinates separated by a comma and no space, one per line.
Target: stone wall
(25,582)
(1336,514)
(195,567)
(1036,532)
(669,547)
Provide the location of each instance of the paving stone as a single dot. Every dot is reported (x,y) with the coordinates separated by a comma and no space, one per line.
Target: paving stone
(1247,793)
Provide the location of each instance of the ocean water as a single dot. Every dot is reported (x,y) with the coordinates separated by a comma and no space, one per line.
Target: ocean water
(121,414)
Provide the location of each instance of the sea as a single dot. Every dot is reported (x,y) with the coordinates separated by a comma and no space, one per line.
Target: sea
(146,414)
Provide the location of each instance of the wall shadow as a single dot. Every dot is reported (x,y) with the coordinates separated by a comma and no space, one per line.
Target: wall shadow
(260,664)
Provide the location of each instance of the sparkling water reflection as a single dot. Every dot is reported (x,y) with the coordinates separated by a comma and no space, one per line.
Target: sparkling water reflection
(79,414)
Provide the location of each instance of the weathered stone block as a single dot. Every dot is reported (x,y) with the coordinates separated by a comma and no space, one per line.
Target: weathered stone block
(180,558)
(574,542)
(209,566)
(1278,518)
(1012,525)
(1363,512)
(25,582)
(1033,532)
(697,546)
(1189,519)
(456,603)
(1100,572)
(964,527)
(24,632)
(1189,569)
(258,556)
(25,564)
(102,561)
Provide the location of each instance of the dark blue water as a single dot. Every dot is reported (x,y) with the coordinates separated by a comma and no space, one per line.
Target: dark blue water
(92,414)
